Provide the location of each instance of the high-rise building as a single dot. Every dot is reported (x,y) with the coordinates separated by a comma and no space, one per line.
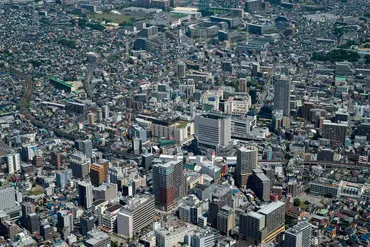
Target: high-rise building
(105,191)
(246,161)
(105,112)
(62,178)
(168,184)
(8,230)
(97,174)
(135,215)
(264,225)
(87,223)
(335,132)
(181,70)
(243,87)
(33,223)
(65,223)
(85,195)
(80,165)
(99,115)
(46,231)
(7,196)
(55,159)
(260,184)
(13,162)
(91,118)
(225,220)
(86,148)
(298,235)
(213,130)
(282,95)
(221,196)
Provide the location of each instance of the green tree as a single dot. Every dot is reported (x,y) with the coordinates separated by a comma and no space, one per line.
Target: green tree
(297,202)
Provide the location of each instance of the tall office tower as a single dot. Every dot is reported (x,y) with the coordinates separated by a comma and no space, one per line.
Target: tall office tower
(13,162)
(97,174)
(7,196)
(225,220)
(62,178)
(46,231)
(28,152)
(65,223)
(298,235)
(55,159)
(86,148)
(105,192)
(27,208)
(260,184)
(264,225)
(256,66)
(85,195)
(99,115)
(33,223)
(335,132)
(243,87)
(80,165)
(135,215)
(181,70)
(168,184)
(282,95)
(213,130)
(8,230)
(246,161)
(105,112)
(221,196)
(91,118)
(87,222)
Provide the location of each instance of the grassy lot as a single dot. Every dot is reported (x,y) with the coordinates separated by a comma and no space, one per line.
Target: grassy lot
(114,17)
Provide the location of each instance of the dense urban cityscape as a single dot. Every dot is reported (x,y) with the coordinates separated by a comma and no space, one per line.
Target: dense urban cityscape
(203,123)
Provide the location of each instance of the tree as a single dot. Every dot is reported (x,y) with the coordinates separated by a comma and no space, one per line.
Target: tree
(297,202)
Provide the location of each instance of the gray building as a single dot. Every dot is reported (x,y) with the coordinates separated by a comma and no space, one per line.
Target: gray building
(7,196)
(135,215)
(282,95)
(221,196)
(213,131)
(201,239)
(106,191)
(298,235)
(246,161)
(264,225)
(85,195)
(80,165)
(97,238)
(260,184)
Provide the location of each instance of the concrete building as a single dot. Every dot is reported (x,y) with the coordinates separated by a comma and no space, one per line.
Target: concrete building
(264,225)
(106,191)
(97,174)
(237,105)
(96,238)
(181,70)
(135,215)
(179,131)
(85,195)
(213,131)
(246,161)
(282,95)
(221,196)
(65,223)
(204,238)
(253,6)
(13,163)
(225,220)
(298,235)
(87,222)
(335,132)
(80,165)
(7,196)
(170,237)
(260,184)
(168,184)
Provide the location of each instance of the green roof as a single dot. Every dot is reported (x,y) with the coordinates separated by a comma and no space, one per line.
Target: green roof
(166,142)
(323,211)
(60,82)
(340,78)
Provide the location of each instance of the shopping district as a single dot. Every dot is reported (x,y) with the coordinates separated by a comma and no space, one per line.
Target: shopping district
(184,123)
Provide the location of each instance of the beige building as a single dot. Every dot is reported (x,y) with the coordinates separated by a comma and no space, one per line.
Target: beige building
(180,131)
(238,105)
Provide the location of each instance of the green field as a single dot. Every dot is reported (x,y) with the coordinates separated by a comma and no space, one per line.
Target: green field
(114,17)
